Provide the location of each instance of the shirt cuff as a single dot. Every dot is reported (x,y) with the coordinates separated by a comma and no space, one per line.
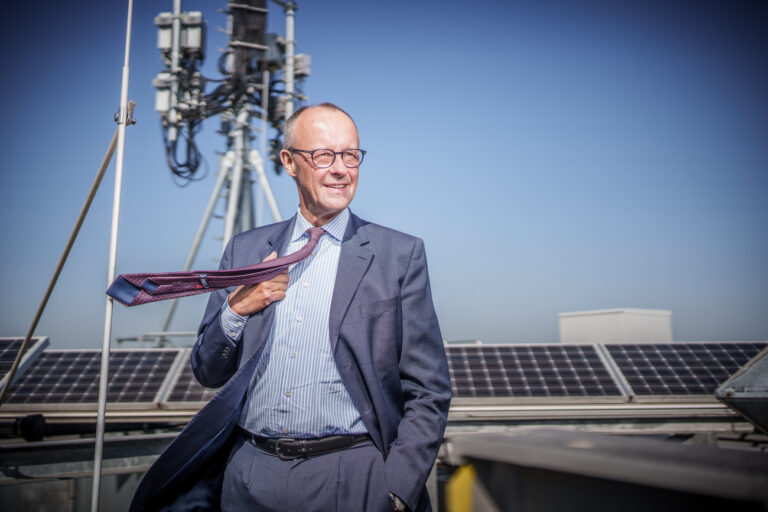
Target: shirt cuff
(232,323)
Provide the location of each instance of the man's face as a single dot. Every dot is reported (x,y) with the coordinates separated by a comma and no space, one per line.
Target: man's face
(323,193)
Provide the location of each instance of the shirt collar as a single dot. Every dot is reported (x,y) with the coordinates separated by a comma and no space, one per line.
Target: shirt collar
(335,227)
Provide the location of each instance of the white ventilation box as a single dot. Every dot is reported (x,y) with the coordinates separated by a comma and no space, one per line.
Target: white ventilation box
(621,325)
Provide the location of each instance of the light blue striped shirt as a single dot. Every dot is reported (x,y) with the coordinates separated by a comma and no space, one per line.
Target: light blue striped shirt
(296,390)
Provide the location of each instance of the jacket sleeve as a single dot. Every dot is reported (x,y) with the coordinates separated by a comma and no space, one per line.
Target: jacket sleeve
(425,384)
(214,356)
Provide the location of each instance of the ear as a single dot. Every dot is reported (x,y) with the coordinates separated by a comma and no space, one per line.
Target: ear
(288,162)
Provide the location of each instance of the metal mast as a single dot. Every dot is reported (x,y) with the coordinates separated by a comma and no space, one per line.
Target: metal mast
(122,120)
(257,65)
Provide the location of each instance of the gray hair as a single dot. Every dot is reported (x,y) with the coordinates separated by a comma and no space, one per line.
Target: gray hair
(289,132)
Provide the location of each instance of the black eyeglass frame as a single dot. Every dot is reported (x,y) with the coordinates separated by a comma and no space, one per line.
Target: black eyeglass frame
(335,153)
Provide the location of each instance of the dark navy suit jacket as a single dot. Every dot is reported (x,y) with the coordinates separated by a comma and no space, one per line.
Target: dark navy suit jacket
(386,343)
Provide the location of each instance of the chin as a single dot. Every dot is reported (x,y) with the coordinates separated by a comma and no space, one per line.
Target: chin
(333,210)
(336,204)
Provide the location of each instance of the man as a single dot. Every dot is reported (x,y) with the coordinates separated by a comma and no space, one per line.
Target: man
(336,387)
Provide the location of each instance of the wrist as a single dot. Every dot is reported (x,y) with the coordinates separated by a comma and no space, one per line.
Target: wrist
(235,306)
(231,322)
(232,306)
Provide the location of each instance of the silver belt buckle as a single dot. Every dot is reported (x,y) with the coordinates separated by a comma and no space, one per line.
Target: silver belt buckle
(277,448)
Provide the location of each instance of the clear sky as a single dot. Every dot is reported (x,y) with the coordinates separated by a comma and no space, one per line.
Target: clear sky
(554,155)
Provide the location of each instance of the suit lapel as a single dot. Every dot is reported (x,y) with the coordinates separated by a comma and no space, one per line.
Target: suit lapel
(258,326)
(280,239)
(354,259)
(278,243)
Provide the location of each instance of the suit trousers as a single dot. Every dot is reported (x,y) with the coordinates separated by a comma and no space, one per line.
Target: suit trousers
(349,480)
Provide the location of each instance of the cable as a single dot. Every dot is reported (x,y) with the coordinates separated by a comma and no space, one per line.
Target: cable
(186,170)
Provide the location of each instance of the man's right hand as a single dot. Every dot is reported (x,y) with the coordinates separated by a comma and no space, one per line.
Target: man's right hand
(247,300)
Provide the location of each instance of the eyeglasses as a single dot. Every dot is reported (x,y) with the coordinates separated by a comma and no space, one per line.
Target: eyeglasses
(324,158)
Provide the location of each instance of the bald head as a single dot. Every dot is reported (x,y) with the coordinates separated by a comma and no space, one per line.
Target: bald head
(289,132)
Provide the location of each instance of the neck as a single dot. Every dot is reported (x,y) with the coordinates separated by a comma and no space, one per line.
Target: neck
(318,220)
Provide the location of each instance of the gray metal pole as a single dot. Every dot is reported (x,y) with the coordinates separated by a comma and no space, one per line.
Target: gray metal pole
(245,208)
(263,141)
(245,219)
(259,207)
(290,9)
(175,51)
(257,165)
(122,121)
(233,206)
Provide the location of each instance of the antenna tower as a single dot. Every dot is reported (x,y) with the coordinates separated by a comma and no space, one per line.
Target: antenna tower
(260,72)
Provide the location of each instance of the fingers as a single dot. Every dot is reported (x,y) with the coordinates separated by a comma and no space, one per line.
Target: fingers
(274,286)
(274,296)
(270,292)
(249,299)
(280,279)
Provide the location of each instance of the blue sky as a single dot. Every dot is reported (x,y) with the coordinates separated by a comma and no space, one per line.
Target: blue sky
(555,156)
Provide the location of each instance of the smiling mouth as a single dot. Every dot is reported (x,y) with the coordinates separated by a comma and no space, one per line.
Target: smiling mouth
(336,186)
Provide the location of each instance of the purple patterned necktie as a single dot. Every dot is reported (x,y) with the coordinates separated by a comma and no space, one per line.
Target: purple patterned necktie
(135,289)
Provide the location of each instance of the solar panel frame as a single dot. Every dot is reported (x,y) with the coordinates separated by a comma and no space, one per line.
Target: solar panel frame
(172,375)
(680,372)
(184,392)
(538,373)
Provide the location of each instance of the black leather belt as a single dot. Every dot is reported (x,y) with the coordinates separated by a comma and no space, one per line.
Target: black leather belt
(289,449)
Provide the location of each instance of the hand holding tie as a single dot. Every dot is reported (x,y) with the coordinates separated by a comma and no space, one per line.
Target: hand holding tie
(250,299)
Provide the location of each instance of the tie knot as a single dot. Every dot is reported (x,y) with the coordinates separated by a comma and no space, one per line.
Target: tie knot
(315,233)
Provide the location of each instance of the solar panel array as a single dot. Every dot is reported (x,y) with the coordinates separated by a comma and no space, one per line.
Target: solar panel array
(529,371)
(681,369)
(67,377)
(486,373)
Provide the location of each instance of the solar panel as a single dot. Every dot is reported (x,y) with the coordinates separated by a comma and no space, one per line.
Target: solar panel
(187,389)
(480,375)
(680,369)
(9,347)
(527,371)
(72,377)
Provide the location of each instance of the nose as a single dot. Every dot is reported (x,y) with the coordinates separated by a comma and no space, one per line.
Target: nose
(338,167)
